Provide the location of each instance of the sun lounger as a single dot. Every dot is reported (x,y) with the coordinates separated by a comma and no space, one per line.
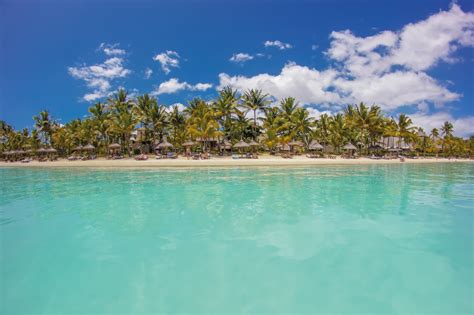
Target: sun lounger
(171,155)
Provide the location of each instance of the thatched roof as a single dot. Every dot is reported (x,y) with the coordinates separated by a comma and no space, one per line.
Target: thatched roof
(78,148)
(285,147)
(241,144)
(114,146)
(296,143)
(188,143)
(315,145)
(51,150)
(349,146)
(164,144)
(88,147)
(253,143)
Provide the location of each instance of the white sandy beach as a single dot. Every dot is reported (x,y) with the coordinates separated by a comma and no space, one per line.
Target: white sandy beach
(265,160)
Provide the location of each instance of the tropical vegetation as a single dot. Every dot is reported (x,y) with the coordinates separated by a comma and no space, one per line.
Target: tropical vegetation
(139,123)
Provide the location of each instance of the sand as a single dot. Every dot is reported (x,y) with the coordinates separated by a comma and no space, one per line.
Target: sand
(266,160)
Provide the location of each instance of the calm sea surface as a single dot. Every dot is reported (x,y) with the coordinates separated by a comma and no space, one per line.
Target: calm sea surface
(328,239)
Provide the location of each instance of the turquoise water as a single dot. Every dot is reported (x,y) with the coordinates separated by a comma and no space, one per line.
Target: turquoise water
(345,239)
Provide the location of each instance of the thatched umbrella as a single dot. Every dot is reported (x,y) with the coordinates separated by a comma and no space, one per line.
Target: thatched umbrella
(285,147)
(78,148)
(51,150)
(294,144)
(113,147)
(88,147)
(349,147)
(253,143)
(315,145)
(227,144)
(188,143)
(41,150)
(164,144)
(241,145)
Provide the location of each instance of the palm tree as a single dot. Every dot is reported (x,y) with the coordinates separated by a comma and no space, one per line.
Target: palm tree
(338,131)
(100,120)
(225,107)
(255,100)
(301,125)
(405,129)
(203,124)
(447,129)
(178,123)
(44,124)
(123,120)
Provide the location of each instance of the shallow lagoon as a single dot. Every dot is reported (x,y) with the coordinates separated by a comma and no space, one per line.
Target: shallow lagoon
(327,239)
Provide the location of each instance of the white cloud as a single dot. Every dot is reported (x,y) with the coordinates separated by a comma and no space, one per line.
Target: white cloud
(388,68)
(417,47)
(276,43)
(314,47)
(463,126)
(111,49)
(310,86)
(148,73)
(173,86)
(98,76)
(393,90)
(241,57)
(168,59)
(180,106)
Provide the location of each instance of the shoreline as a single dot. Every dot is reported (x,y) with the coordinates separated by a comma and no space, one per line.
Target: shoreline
(182,162)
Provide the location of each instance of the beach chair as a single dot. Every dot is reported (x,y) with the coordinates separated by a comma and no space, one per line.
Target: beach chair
(171,155)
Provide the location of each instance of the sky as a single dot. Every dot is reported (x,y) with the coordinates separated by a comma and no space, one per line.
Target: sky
(415,57)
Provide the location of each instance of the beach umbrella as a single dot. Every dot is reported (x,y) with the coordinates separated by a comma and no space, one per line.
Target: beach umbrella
(188,143)
(253,143)
(114,146)
(241,145)
(164,144)
(51,150)
(227,144)
(285,147)
(314,145)
(295,144)
(19,152)
(41,150)
(88,147)
(78,148)
(349,146)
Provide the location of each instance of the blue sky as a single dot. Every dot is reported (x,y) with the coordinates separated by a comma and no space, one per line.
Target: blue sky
(407,56)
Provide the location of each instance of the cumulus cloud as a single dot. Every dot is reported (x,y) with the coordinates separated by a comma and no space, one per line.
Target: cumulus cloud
(174,85)
(111,49)
(276,43)
(171,107)
(417,47)
(310,86)
(241,57)
(148,73)
(463,126)
(98,77)
(168,59)
(388,68)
